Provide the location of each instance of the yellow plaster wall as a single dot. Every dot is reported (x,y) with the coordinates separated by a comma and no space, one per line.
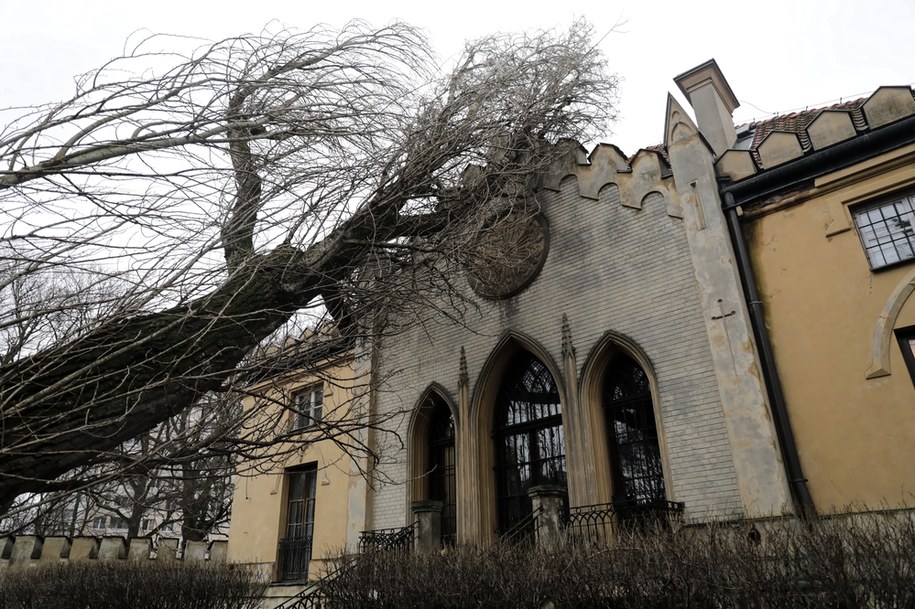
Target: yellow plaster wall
(856,436)
(258,506)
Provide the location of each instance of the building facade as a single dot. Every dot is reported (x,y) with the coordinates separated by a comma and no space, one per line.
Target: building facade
(828,208)
(719,327)
(306,504)
(620,367)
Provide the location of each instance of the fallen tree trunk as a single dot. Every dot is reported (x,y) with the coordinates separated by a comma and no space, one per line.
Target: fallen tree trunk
(65,406)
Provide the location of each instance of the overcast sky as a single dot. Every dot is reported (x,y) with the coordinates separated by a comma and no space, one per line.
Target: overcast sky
(777,55)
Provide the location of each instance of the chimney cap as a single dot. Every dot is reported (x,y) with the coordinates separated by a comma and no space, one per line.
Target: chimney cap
(709,71)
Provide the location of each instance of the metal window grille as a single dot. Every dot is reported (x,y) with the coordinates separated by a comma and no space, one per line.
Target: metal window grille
(294,551)
(635,454)
(530,445)
(887,230)
(442,485)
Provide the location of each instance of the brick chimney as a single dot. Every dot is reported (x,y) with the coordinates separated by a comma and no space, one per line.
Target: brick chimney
(713,102)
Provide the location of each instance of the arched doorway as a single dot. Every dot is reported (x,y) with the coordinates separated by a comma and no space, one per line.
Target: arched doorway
(528,436)
(636,466)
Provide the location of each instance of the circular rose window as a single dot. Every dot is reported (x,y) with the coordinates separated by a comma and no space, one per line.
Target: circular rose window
(508,253)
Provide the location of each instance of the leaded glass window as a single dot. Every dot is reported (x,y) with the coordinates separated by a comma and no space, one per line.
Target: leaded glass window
(635,454)
(530,446)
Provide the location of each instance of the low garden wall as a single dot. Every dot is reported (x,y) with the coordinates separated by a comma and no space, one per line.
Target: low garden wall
(25,550)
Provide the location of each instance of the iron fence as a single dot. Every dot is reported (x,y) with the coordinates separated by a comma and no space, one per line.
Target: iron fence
(596,524)
(387,540)
(523,531)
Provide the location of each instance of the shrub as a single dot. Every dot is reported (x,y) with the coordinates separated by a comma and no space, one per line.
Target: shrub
(865,561)
(135,585)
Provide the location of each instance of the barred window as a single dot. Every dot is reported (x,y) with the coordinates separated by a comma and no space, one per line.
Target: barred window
(309,406)
(294,552)
(530,442)
(887,230)
(442,485)
(635,453)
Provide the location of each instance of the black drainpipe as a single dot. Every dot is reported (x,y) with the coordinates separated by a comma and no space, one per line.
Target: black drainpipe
(796,479)
(766,184)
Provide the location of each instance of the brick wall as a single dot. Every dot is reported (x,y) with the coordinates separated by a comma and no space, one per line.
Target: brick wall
(611,267)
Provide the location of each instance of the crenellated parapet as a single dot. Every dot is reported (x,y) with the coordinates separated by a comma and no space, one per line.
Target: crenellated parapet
(29,550)
(643,177)
(769,144)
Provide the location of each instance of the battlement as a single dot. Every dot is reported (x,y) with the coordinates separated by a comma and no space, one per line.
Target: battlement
(29,550)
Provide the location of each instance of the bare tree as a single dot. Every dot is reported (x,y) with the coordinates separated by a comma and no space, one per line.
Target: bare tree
(227,189)
(175,479)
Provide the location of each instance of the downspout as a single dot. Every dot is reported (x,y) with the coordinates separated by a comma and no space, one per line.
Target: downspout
(796,480)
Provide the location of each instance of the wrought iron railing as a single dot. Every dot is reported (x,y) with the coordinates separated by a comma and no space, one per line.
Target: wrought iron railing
(523,531)
(648,515)
(387,540)
(591,524)
(293,558)
(315,596)
(596,524)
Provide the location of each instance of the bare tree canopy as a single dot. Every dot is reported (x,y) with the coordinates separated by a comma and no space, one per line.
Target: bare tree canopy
(191,204)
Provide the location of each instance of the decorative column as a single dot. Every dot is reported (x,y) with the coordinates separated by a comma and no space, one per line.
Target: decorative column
(428,532)
(467,482)
(548,501)
(577,426)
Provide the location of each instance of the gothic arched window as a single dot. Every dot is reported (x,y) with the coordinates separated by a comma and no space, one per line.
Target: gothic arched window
(530,447)
(442,467)
(635,454)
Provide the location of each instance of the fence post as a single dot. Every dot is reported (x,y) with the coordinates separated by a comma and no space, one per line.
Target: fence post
(548,501)
(428,515)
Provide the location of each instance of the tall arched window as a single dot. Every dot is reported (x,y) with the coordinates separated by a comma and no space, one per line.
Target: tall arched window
(635,455)
(530,448)
(442,467)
